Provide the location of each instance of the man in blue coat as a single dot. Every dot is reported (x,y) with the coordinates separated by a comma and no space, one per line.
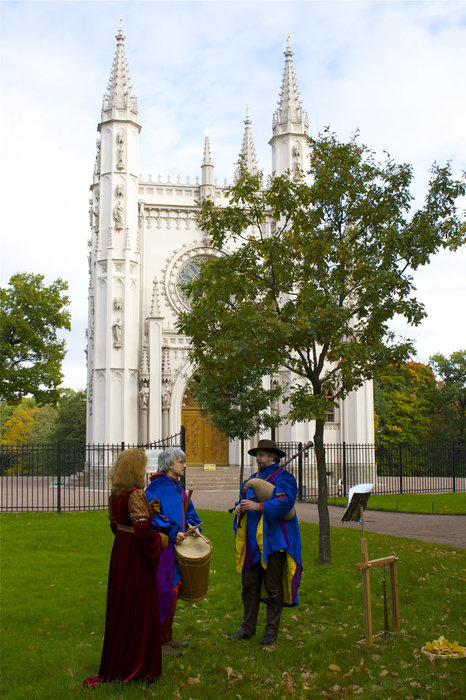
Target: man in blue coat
(176,514)
(268,548)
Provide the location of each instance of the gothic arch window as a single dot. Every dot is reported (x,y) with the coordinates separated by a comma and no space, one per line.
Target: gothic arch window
(330,413)
(189,272)
(181,270)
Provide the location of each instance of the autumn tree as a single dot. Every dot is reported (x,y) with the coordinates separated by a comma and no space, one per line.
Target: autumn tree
(19,426)
(312,272)
(404,401)
(451,403)
(31,353)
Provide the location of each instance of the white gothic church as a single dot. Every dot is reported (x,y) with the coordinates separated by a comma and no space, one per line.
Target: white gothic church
(144,241)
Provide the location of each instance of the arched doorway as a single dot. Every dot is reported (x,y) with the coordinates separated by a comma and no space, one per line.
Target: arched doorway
(204,443)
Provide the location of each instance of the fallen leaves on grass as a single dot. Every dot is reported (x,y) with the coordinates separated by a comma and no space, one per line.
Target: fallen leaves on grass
(232,675)
(442,647)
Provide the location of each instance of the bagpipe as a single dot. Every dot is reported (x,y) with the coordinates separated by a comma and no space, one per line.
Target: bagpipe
(263,489)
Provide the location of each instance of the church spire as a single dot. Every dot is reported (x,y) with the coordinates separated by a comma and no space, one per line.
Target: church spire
(207,171)
(290,145)
(207,156)
(247,157)
(290,115)
(119,89)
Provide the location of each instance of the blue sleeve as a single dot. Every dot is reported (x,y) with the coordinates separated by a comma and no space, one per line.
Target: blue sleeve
(192,517)
(163,524)
(283,497)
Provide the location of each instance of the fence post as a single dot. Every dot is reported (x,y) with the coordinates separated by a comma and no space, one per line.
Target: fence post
(344,467)
(58,477)
(400,465)
(183,447)
(300,472)
(453,467)
(183,438)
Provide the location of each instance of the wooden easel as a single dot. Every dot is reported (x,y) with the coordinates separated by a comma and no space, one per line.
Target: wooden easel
(365,565)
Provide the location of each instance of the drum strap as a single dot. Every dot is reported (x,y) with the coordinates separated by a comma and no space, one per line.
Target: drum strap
(125,528)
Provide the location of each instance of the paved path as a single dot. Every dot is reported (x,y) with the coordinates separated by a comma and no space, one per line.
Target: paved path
(442,529)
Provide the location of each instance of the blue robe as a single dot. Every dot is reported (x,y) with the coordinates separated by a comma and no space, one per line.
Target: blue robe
(171,520)
(259,534)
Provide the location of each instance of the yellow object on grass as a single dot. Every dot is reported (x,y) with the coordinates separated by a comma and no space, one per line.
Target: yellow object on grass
(441,647)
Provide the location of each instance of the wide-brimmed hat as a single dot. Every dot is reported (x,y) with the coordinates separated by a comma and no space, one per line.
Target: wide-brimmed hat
(267,446)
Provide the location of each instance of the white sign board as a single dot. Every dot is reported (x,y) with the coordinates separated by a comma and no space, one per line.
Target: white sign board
(152,465)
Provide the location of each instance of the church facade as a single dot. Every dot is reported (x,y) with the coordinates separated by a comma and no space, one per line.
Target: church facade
(144,243)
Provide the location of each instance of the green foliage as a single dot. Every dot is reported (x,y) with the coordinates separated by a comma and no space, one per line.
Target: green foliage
(311,273)
(412,406)
(70,421)
(19,426)
(28,423)
(404,397)
(451,397)
(31,354)
(52,643)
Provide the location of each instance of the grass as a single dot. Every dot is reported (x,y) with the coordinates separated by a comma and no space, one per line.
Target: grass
(53,601)
(438,503)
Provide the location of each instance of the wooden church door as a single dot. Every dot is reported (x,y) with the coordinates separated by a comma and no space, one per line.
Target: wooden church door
(204,443)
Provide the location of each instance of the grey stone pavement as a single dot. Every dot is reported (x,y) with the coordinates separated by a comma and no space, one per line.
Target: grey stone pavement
(441,529)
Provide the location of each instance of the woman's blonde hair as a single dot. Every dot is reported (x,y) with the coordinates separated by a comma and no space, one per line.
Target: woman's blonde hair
(128,471)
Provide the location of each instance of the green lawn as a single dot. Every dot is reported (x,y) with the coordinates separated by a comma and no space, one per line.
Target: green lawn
(54,577)
(438,503)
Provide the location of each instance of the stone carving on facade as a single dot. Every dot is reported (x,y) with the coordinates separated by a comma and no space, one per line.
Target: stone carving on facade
(144,397)
(95,211)
(118,216)
(90,396)
(120,150)
(155,303)
(117,334)
(166,398)
(118,304)
(97,161)
(118,212)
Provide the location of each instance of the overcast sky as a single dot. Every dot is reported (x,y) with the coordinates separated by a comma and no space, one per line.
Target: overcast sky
(393,70)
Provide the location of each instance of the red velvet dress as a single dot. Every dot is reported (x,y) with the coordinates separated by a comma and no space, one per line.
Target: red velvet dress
(132,648)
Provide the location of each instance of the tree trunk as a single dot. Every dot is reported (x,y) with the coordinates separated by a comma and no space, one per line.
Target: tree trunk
(325,556)
(241,471)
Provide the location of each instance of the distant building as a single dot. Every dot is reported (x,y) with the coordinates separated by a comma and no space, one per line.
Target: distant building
(144,242)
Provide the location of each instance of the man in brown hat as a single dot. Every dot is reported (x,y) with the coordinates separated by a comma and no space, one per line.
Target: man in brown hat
(268,547)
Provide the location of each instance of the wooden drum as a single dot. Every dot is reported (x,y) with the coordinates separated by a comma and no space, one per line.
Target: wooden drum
(193,557)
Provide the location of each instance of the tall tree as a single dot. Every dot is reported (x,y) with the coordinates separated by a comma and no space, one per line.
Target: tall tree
(19,426)
(70,420)
(311,274)
(404,401)
(452,393)
(31,354)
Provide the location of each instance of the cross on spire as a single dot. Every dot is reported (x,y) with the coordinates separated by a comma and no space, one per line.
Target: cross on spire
(119,90)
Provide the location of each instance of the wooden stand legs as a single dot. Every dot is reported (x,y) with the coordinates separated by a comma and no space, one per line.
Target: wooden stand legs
(365,565)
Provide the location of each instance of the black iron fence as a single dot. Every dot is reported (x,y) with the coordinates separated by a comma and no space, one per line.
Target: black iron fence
(391,468)
(63,476)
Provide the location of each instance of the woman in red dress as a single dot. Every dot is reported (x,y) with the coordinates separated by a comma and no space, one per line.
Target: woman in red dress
(132,649)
